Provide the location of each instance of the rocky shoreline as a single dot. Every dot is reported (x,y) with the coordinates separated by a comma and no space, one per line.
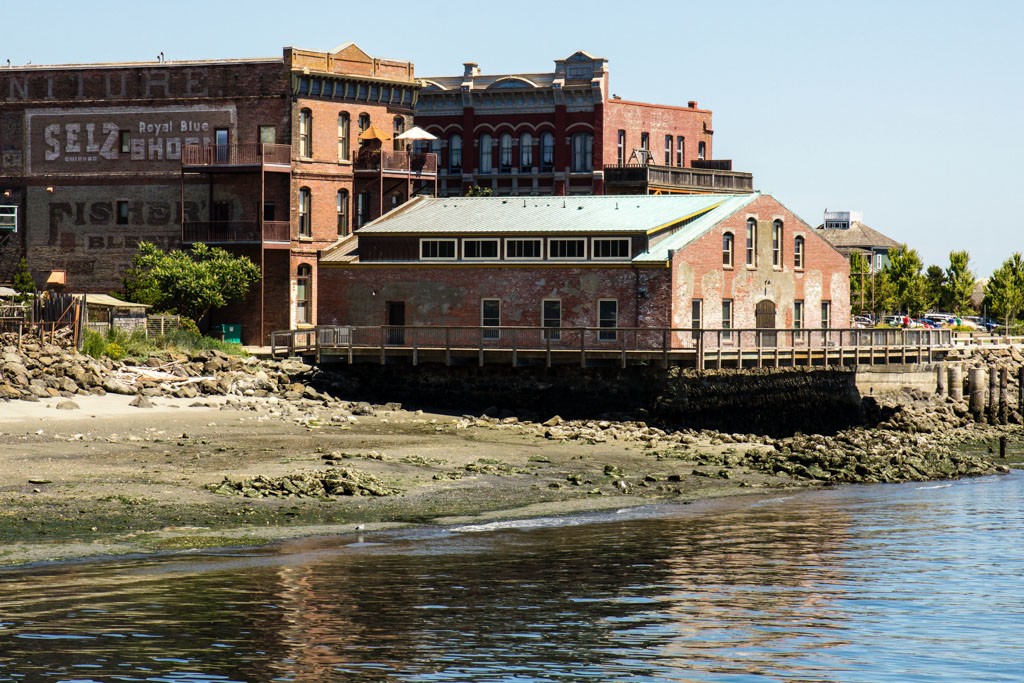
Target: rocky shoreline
(266,448)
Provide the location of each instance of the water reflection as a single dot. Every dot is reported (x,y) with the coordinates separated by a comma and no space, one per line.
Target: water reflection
(830,586)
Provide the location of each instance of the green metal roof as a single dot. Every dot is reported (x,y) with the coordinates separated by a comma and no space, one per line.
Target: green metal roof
(547,215)
(694,229)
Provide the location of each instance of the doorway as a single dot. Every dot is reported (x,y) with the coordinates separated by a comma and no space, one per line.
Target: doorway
(764,314)
(395,315)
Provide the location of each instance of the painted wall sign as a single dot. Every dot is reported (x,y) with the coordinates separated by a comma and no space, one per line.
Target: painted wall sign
(97,140)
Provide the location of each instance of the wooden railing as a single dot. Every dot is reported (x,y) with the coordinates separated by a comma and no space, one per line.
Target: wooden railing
(672,177)
(623,345)
(408,163)
(252,154)
(214,232)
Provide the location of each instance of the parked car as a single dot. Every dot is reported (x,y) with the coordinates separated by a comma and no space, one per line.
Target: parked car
(862,322)
(986,324)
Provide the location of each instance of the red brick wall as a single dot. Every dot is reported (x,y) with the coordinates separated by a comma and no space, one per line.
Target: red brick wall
(659,121)
(699,273)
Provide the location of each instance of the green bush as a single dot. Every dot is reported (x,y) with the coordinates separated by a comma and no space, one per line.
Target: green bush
(114,351)
(94,344)
(118,344)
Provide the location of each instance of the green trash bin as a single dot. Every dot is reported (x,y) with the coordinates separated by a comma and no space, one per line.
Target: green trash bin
(231,332)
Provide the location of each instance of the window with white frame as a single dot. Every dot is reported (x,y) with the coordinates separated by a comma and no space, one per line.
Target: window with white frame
(751,242)
(567,248)
(490,316)
(306,134)
(777,244)
(696,308)
(505,153)
(486,153)
(702,148)
(582,153)
(607,319)
(305,223)
(826,315)
(304,295)
(610,248)
(621,148)
(547,151)
(344,125)
(645,142)
(437,249)
(9,218)
(798,319)
(728,248)
(798,252)
(479,248)
(455,153)
(526,152)
(680,157)
(551,318)
(726,320)
(668,150)
(342,212)
(523,249)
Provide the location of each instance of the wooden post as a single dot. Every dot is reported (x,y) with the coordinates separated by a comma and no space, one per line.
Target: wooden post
(1004,387)
(976,390)
(583,348)
(448,346)
(993,395)
(664,349)
(955,381)
(940,381)
(1020,390)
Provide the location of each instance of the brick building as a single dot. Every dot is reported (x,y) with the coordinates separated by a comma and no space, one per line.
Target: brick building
(682,262)
(563,133)
(271,158)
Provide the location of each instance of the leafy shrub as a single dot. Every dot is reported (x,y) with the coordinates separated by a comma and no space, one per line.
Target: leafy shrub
(115,351)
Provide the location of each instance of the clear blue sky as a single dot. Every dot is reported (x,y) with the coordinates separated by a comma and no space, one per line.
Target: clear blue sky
(911,112)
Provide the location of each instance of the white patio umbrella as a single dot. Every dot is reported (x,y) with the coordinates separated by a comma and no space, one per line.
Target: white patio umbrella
(416,133)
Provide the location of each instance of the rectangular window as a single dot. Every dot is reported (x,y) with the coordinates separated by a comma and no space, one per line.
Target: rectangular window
(621,150)
(680,157)
(9,218)
(777,244)
(523,249)
(122,212)
(607,319)
(695,314)
(826,315)
(751,242)
(126,142)
(645,141)
(490,316)
(222,139)
(479,249)
(798,252)
(611,248)
(567,249)
(798,319)
(701,149)
(305,224)
(726,319)
(668,150)
(437,249)
(551,316)
(268,135)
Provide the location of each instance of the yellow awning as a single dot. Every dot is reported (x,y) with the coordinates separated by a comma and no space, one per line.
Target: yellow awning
(374,133)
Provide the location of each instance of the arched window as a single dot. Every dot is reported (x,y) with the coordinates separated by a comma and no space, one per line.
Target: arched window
(798,252)
(547,152)
(728,243)
(751,241)
(364,121)
(306,134)
(344,147)
(486,153)
(304,295)
(305,201)
(526,152)
(342,213)
(505,153)
(582,153)
(455,153)
(777,244)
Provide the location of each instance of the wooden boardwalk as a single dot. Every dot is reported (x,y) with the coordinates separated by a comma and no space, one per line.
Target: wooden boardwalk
(613,347)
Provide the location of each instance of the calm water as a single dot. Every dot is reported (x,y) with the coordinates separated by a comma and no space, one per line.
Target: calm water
(880,583)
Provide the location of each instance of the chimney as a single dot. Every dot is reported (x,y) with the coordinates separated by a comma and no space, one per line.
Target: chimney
(470,69)
(692,104)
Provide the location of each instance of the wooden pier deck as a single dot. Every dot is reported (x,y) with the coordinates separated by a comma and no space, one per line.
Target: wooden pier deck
(613,347)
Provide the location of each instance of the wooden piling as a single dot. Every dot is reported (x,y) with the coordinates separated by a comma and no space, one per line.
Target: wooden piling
(1004,388)
(955,381)
(993,396)
(940,380)
(976,391)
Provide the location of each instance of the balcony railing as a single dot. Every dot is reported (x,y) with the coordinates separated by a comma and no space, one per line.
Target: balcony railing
(402,163)
(253,154)
(673,178)
(235,232)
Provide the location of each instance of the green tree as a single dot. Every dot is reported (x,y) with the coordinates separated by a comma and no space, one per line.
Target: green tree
(905,272)
(935,287)
(1004,293)
(478,191)
(959,283)
(188,282)
(860,282)
(23,283)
